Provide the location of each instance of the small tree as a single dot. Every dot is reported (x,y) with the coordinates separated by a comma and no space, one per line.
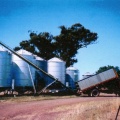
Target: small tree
(113,84)
(101,69)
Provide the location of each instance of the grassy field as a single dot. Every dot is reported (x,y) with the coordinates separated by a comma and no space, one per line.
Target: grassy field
(93,110)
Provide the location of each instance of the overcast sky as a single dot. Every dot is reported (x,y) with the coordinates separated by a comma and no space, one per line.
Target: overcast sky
(17,17)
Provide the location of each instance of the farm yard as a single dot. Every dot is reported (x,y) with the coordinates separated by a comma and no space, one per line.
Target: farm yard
(73,107)
(63,60)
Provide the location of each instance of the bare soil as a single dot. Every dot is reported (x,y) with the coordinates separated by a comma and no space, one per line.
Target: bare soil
(59,108)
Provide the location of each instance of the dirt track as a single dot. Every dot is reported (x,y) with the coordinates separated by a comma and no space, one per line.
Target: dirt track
(76,108)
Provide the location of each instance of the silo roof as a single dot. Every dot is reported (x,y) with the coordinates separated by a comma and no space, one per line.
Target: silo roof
(38,58)
(2,49)
(24,52)
(71,68)
(55,59)
(87,74)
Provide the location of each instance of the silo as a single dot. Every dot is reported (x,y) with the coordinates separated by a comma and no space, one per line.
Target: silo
(5,68)
(24,74)
(56,67)
(40,77)
(87,74)
(41,63)
(72,75)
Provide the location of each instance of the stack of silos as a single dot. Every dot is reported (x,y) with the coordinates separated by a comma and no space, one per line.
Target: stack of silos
(5,69)
(72,75)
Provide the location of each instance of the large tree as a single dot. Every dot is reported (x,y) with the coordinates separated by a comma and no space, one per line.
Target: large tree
(40,44)
(70,40)
(65,45)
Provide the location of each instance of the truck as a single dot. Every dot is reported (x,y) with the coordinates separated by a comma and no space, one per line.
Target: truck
(107,81)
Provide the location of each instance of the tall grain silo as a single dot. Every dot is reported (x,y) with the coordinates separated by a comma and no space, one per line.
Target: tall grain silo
(41,63)
(72,75)
(56,67)
(40,76)
(24,74)
(5,68)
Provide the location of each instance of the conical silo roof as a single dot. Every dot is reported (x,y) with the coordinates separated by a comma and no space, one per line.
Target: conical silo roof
(55,59)
(71,68)
(24,52)
(39,58)
(2,48)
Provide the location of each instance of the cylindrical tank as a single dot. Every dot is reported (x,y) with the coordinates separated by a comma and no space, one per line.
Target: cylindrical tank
(72,75)
(56,67)
(41,63)
(24,74)
(5,68)
(41,77)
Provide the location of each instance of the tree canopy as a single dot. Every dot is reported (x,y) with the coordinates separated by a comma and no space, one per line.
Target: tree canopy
(101,69)
(113,84)
(64,46)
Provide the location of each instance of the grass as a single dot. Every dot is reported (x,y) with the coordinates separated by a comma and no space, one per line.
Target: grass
(32,98)
(93,110)
(105,109)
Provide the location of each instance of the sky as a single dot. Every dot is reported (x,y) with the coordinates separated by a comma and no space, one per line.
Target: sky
(17,17)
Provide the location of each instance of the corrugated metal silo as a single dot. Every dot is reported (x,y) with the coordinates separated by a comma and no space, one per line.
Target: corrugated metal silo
(56,67)
(42,64)
(72,75)
(24,74)
(5,68)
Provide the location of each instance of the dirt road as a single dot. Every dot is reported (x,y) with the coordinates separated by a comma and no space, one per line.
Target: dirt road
(76,108)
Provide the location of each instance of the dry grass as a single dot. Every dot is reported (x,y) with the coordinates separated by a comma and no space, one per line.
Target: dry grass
(32,98)
(102,108)
(94,110)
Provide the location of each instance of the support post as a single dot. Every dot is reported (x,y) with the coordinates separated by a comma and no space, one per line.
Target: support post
(117,113)
(32,79)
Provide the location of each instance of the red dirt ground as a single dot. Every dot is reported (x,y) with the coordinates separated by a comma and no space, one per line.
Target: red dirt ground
(56,109)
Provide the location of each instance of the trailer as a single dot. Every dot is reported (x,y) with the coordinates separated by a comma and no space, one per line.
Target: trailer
(97,83)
